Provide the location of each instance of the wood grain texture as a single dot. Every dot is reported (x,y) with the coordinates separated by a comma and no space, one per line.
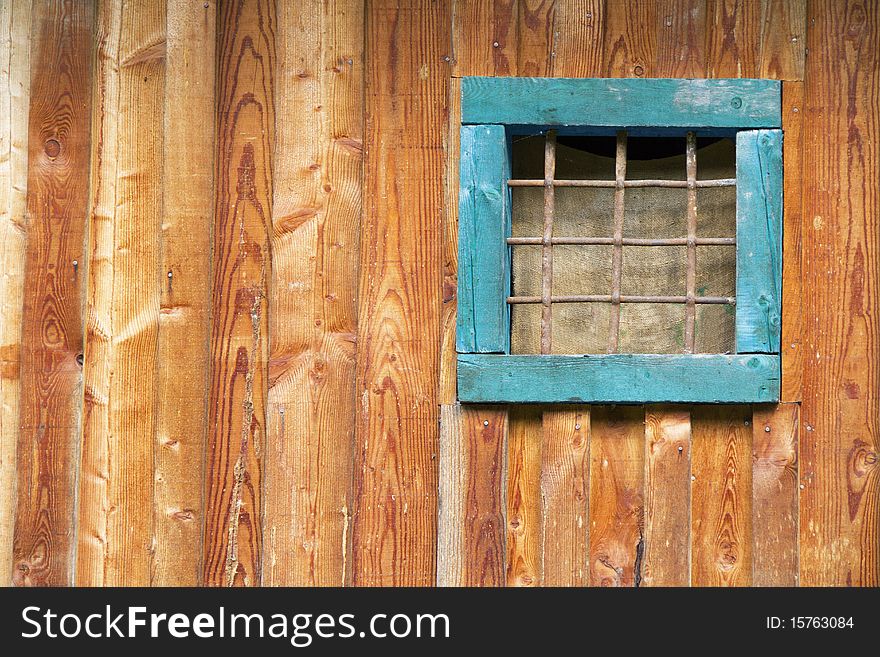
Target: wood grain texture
(565,489)
(451,496)
(681,39)
(667,496)
(579,38)
(313,295)
(484,225)
(485,431)
(840,437)
(448,330)
(733,45)
(630,39)
(400,304)
(525,508)
(484,37)
(783,39)
(791,344)
(52,320)
(124,296)
(619,378)
(758,241)
(15,32)
(536,35)
(617,461)
(721,496)
(184,316)
(613,102)
(775,495)
(233,536)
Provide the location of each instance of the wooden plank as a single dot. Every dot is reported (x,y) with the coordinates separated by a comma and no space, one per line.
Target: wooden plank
(484,225)
(783,39)
(733,39)
(617,479)
(721,496)
(758,241)
(313,295)
(115,519)
(184,317)
(667,497)
(15,32)
(619,378)
(791,346)
(451,496)
(839,445)
(52,320)
(536,32)
(239,342)
(400,307)
(565,489)
(448,357)
(635,103)
(524,500)
(775,495)
(484,37)
(681,39)
(630,39)
(579,32)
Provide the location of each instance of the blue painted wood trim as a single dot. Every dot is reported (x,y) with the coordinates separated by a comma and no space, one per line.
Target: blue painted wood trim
(619,378)
(720,103)
(758,241)
(483,228)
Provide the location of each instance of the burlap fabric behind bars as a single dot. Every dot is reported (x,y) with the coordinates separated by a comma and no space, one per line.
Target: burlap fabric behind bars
(582,328)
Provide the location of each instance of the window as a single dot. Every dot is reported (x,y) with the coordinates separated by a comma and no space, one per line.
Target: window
(619,240)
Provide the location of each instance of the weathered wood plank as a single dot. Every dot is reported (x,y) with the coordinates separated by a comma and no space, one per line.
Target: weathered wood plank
(313,296)
(667,496)
(15,87)
(451,496)
(184,317)
(115,519)
(619,378)
(630,39)
(239,343)
(400,304)
(536,35)
(783,39)
(635,103)
(52,320)
(484,224)
(617,479)
(484,432)
(484,37)
(721,496)
(565,488)
(758,241)
(681,39)
(579,37)
(524,500)
(734,38)
(840,443)
(448,331)
(775,495)
(791,344)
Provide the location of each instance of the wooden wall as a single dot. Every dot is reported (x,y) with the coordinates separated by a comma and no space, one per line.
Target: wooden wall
(228,246)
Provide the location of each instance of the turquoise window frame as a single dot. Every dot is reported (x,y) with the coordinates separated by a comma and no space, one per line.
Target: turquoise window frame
(495,109)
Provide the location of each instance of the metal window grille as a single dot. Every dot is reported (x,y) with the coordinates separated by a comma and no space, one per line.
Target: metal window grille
(618,241)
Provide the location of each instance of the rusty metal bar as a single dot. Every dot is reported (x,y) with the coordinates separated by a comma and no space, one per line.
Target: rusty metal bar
(691,308)
(547,241)
(626,241)
(679,184)
(617,256)
(607,298)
